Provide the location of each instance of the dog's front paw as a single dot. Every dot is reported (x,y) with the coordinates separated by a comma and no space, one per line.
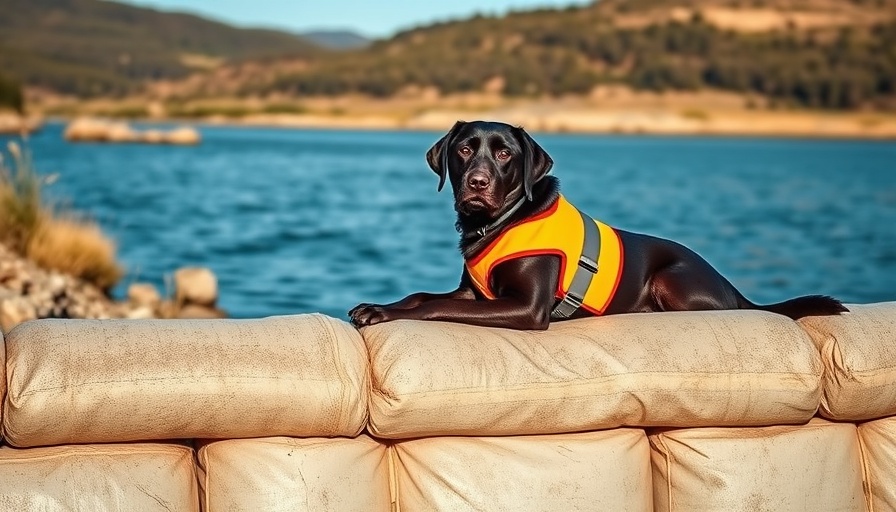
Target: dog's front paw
(358,308)
(369,314)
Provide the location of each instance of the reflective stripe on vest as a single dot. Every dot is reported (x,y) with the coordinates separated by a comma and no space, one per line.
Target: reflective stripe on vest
(557,231)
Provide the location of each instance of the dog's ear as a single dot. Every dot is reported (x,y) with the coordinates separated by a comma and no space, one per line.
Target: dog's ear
(536,162)
(437,157)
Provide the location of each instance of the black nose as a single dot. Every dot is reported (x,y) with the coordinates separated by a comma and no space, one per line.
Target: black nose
(478,181)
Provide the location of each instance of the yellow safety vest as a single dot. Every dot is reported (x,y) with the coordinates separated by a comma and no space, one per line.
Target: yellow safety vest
(557,231)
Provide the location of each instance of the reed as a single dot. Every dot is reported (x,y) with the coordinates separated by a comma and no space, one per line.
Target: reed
(52,238)
(20,199)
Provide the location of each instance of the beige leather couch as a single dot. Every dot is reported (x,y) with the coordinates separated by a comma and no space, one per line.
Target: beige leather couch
(716,411)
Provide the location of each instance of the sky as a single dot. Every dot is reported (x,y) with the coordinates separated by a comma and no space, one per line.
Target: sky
(367,17)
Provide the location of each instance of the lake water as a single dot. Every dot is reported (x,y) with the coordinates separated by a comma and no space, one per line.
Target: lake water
(309,220)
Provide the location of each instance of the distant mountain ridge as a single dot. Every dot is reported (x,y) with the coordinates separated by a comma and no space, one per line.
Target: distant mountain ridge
(337,39)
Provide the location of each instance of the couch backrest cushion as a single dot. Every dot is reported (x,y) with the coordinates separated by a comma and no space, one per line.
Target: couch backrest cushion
(2,378)
(859,353)
(606,470)
(298,475)
(89,381)
(878,440)
(806,467)
(145,477)
(674,369)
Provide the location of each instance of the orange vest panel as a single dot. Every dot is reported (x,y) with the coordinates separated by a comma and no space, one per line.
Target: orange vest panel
(558,231)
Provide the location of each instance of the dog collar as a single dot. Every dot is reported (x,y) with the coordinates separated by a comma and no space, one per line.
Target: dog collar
(484,230)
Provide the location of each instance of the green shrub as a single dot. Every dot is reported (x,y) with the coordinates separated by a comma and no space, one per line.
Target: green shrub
(284,108)
(11,94)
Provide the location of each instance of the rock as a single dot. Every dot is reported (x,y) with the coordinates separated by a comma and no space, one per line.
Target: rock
(167,309)
(182,136)
(16,283)
(12,123)
(86,129)
(15,311)
(141,313)
(196,311)
(195,285)
(97,130)
(77,311)
(153,137)
(56,284)
(144,295)
(121,132)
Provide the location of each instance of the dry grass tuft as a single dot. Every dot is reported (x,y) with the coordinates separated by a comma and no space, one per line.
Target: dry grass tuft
(77,248)
(53,240)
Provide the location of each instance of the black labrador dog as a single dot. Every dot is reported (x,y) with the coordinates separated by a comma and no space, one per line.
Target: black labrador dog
(531,257)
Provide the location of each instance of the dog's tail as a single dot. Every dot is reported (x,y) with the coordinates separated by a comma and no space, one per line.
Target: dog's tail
(810,305)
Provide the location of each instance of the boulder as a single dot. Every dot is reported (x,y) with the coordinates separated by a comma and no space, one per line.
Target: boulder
(15,124)
(182,136)
(98,130)
(195,285)
(144,295)
(140,313)
(121,132)
(153,137)
(195,311)
(14,311)
(86,129)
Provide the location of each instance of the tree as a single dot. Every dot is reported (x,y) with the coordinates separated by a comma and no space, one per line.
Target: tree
(11,94)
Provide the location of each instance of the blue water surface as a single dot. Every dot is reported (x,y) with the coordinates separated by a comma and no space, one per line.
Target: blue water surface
(311,220)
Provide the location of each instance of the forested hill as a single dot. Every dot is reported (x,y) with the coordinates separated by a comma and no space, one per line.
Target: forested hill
(92,47)
(836,54)
(816,53)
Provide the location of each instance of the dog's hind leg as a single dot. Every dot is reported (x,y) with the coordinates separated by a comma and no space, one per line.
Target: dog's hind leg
(695,286)
(692,286)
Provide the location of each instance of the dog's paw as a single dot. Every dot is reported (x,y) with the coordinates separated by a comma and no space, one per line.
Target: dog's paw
(359,307)
(369,314)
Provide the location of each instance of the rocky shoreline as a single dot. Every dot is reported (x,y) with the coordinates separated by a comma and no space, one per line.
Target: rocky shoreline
(14,124)
(584,120)
(28,292)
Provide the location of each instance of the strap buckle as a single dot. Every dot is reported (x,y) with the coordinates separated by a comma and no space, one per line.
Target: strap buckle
(573,300)
(588,264)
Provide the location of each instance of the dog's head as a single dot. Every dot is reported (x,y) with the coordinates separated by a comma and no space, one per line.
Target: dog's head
(490,165)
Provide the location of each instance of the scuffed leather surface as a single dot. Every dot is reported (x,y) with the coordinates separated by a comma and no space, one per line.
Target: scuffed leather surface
(669,369)
(88,381)
(859,353)
(566,472)
(295,475)
(2,378)
(98,478)
(809,468)
(878,440)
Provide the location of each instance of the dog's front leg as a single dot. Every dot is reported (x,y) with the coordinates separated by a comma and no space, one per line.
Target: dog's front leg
(415,299)
(510,313)
(359,314)
(463,291)
(525,288)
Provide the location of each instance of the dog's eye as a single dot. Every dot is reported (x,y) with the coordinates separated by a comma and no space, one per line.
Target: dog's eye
(503,154)
(466,151)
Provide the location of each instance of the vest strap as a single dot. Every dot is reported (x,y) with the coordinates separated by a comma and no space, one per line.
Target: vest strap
(585,271)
